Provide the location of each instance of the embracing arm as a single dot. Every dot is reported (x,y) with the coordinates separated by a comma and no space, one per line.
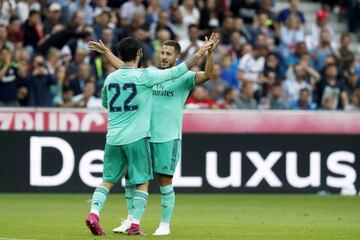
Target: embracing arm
(101,48)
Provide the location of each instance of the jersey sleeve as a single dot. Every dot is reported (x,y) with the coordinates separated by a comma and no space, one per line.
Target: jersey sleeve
(189,81)
(153,76)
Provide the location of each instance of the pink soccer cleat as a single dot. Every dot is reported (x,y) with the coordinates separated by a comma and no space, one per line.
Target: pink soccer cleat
(92,222)
(135,230)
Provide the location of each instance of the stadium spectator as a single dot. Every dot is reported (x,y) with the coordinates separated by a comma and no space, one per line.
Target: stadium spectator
(275,99)
(216,85)
(83,76)
(246,9)
(66,98)
(330,90)
(211,15)
(189,46)
(81,5)
(227,28)
(272,65)
(323,50)
(251,67)
(102,20)
(304,102)
(25,6)
(53,59)
(236,47)
(153,11)
(265,7)
(53,18)
(229,99)
(261,26)
(355,106)
(7,9)
(313,39)
(128,10)
(229,71)
(10,83)
(4,42)
(246,99)
(32,30)
(293,9)
(344,50)
(351,82)
(295,83)
(290,34)
(199,99)
(87,98)
(162,23)
(39,84)
(190,12)
(15,34)
(180,28)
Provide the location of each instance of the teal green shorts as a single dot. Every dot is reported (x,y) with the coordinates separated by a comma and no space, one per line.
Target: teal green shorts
(166,156)
(135,157)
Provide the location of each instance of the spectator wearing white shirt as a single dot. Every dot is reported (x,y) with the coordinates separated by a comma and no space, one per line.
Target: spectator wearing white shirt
(190,12)
(180,28)
(87,98)
(251,67)
(192,44)
(312,40)
(295,83)
(290,35)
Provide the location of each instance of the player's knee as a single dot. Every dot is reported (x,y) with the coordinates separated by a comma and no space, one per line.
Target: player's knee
(107,185)
(165,180)
(142,187)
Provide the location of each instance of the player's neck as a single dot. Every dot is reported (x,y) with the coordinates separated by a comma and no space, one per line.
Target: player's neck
(131,64)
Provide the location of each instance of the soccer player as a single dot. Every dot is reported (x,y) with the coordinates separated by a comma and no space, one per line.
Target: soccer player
(166,125)
(127,96)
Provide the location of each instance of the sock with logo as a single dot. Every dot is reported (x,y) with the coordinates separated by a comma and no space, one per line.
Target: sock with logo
(98,199)
(167,202)
(139,202)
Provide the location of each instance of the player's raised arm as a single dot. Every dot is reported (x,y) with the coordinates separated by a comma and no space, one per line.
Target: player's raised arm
(204,76)
(101,48)
(156,76)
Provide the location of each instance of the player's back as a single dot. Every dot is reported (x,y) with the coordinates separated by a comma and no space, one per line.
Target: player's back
(128,99)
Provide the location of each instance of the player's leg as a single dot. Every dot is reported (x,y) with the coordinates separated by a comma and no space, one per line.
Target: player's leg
(114,167)
(140,172)
(129,195)
(166,156)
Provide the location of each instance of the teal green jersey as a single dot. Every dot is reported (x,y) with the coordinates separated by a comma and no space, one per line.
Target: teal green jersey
(167,109)
(127,96)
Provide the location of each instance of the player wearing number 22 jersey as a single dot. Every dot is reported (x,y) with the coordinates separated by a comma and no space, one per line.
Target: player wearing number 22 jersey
(127,96)
(166,126)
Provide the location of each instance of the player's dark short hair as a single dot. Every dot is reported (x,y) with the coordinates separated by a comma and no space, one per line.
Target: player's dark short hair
(128,49)
(33,12)
(192,26)
(174,44)
(277,84)
(305,90)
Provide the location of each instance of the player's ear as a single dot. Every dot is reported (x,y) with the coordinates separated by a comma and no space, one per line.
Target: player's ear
(140,53)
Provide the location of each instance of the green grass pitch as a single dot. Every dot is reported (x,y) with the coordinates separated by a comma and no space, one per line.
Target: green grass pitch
(200,216)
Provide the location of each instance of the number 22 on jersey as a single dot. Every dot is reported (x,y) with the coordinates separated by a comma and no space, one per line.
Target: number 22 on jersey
(126,106)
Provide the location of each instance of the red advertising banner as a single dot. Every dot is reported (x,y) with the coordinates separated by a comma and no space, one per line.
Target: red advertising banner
(73,120)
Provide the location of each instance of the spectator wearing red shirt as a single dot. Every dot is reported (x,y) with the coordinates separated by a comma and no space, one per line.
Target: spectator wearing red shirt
(199,99)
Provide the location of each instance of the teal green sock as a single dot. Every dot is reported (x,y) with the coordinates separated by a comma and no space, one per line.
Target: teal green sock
(129,195)
(98,199)
(139,203)
(167,202)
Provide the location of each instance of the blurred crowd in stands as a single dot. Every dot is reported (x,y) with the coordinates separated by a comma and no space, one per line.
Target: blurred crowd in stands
(266,59)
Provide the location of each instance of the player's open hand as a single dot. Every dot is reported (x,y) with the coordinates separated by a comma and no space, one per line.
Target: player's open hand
(215,39)
(97,47)
(205,47)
